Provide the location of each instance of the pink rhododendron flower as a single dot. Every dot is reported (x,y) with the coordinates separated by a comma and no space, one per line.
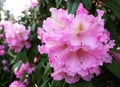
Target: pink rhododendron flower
(16,36)
(25,67)
(81,10)
(4,62)
(5,68)
(2,50)
(76,45)
(34,3)
(17,84)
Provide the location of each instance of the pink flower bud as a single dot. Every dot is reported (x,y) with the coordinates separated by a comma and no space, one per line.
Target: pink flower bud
(4,62)
(5,68)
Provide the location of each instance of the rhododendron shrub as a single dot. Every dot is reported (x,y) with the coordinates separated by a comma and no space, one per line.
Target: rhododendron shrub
(61,43)
(76,45)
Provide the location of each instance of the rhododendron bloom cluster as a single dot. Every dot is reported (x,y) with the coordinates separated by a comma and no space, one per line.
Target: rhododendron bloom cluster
(16,36)
(17,84)
(76,45)
(25,67)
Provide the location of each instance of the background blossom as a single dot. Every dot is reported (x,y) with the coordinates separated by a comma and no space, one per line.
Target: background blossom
(16,36)
(25,67)
(17,84)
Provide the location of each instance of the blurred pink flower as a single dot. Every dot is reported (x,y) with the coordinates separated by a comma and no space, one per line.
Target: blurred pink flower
(2,50)
(35,59)
(4,61)
(25,81)
(76,45)
(34,3)
(16,36)
(17,83)
(25,67)
(5,68)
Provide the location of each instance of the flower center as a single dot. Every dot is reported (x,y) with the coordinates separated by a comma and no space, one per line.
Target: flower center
(59,22)
(79,28)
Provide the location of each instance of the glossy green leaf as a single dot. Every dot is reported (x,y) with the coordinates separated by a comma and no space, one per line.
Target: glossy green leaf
(69,5)
(17,64)
(114,5)
(75,6)
(114,67)
(111,27)
(58,3)
(87,4)
(44,84)
(32,52)
(61,83)
(23,77)
(22,55)
(33,26)
(99,81)
(82,83)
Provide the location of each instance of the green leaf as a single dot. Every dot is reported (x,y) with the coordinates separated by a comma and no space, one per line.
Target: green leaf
(17,64)
(114,67)
(33,36)
(33,26)
(53,83)
(87,4)
(69,5)
(115,50)
(61,83)
(82,83)
(114,5)
(22,55)
(38,74)
(32,52)
(58,3)
(75,6)
(44,84)
(47,71)
(99,81)
(23,77)
(47,68)
(39,66)
(37,9)
(30,55)
(111,27)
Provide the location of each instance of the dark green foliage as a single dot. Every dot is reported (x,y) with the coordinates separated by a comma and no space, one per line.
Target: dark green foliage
(6,76)
(114,5)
